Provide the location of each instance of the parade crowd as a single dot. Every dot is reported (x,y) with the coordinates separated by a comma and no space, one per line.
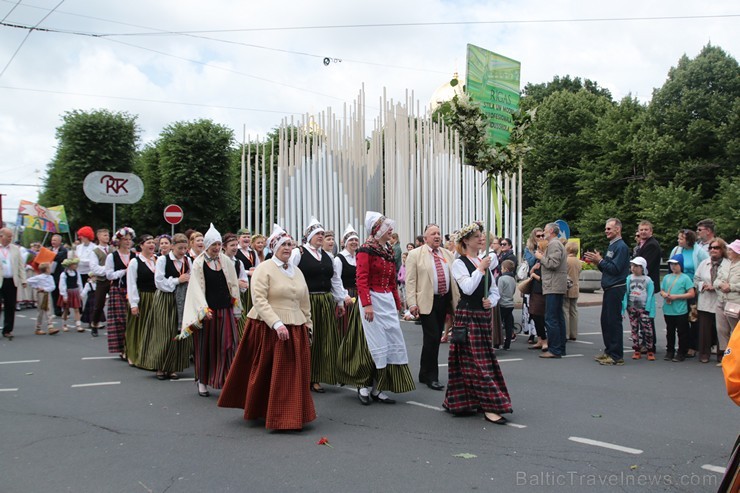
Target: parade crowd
(268,320)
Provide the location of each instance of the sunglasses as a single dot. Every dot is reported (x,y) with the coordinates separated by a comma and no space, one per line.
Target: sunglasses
(540,236)
(504,244)
(715,247)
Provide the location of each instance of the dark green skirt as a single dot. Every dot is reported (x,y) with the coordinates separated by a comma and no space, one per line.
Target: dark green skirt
(325,345)
(138,326)
(246,298)
(355,366)
(159,349)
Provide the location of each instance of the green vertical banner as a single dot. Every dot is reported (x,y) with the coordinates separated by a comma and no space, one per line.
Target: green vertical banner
(493,82)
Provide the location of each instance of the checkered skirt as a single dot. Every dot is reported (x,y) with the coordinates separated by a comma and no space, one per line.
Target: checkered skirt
(475,381)
(117,313)
(270,378)
(74,300)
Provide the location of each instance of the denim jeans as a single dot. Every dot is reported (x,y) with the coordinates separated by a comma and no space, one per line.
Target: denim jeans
(555,323)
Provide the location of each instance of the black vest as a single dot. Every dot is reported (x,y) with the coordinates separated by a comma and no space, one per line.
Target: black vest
(245,260)
(349,271)
(171,271)
(72,281)
(474,301)
(238,267)
(119,265)
(317,273)
(144,277)
(217,290)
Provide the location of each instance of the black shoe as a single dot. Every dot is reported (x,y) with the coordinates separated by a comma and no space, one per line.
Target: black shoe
(668,357)
(435,385)
(382,400)
(94,331)
(364,399)
(501,421)
(204,394)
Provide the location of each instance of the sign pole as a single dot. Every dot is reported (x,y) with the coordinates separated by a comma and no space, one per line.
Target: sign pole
(173,230)
(114,217)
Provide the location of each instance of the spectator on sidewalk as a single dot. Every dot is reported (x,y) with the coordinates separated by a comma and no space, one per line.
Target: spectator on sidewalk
(705,232)
(570,302)
(614,267)
(677,289)
(708,299)
(554,286)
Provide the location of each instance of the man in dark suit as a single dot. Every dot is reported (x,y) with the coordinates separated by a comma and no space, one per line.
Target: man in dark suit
(57,269)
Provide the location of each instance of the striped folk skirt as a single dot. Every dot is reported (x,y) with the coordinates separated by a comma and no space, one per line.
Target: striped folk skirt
(325,344)
(246,299)
(345,320)
(159,348)
(355,365)
(270,378)
(137,327)
(117,313)
(475,381)
(214,347)
(74,300)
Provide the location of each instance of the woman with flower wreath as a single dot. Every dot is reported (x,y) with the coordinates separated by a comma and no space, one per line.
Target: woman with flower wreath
(116,264)
(379,305)
(211,305)
(475,382)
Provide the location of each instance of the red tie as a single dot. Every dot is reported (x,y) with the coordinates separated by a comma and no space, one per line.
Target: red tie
(441,283)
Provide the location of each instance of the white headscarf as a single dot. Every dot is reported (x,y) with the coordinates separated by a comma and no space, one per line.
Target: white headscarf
(212,236)
(377,224)
(313,227)
(349,232)
(277,238)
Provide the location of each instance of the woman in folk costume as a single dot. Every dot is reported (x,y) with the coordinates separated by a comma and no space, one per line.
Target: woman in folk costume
(140,289)
(196,244)
(116,264)
(379,305)
(70,290)
(327,302)
(475,382)
(171,278)
(245,253)
(230,247)
(211,305)
(355,366)
(271,372)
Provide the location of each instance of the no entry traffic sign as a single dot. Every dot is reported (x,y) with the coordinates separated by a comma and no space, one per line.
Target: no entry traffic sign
(173,214)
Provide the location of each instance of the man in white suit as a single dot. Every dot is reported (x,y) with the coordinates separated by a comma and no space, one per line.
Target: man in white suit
(14,276)
(431,293)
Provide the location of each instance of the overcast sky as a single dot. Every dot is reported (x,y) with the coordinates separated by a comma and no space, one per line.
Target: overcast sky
(151,75)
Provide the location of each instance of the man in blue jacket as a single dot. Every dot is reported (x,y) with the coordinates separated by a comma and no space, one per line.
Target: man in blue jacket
(614,267)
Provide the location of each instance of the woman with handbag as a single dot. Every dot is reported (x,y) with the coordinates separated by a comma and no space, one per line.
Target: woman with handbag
(475,382)
(727,285)
(537,301)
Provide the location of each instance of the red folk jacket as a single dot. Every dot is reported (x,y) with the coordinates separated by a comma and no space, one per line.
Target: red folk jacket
(375,274)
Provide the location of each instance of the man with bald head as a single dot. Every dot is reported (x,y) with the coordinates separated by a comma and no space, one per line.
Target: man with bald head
(14,276)
(431,294)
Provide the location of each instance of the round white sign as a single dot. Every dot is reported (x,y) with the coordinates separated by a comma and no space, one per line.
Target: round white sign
(113,187)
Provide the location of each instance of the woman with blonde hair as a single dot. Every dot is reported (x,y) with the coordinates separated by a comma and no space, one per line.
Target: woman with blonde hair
(531,246)
(570,300)
(196,244)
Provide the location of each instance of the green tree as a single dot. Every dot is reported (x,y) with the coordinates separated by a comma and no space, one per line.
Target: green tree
(147,214)
(197,172)
(99,140)
(534,94)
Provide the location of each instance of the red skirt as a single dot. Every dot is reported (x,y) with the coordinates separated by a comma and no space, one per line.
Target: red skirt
(215,345)
(74,300)
(270,378)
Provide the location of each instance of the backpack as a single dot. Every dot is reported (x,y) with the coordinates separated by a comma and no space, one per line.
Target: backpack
(522,272)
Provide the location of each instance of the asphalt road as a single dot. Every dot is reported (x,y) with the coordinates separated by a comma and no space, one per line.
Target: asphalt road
(577,426)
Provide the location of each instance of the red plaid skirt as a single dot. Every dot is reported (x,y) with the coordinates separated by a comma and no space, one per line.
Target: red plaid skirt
(74,300)
(117,313)
(475,381)
(270,378)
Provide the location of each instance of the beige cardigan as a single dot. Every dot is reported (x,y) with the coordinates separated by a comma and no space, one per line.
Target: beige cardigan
(277,297)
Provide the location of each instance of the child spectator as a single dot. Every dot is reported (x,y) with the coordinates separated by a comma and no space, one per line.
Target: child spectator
(44,285)
(570,300)
(69,293)
(639,304)
(507,288)
(676,289)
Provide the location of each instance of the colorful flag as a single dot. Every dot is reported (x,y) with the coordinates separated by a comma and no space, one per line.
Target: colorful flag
(50,220)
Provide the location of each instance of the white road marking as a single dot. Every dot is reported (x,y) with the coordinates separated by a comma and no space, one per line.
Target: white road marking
(582,342)
(596,443)
(191,379)
(509,359)
(516,425)
(710,467)
(78,385)
(599,333)
(100,357)
(414,403)
(8,390)
(572,356)
(442,364)
(20,361)
(19,315)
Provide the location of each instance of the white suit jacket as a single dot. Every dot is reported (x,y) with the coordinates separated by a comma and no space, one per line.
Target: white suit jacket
(16,265)
(420,270)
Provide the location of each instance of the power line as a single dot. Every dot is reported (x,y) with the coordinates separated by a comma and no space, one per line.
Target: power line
(11,9)
(160,101)
(18,185)
(433,24)
(12,57)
